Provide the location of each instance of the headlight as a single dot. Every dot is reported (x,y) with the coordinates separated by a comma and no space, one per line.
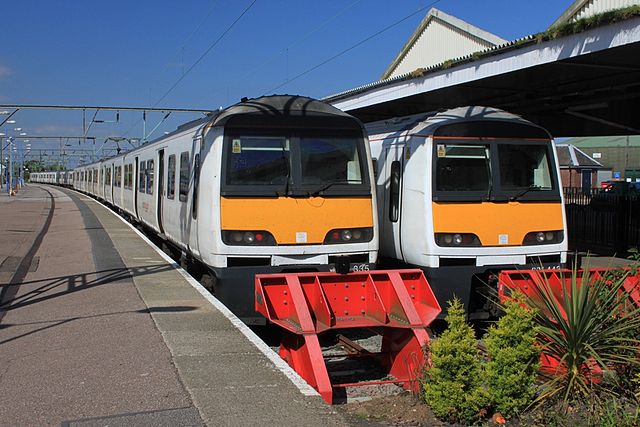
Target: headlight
(457,239)
(349,235)
(250,238)
(543,237)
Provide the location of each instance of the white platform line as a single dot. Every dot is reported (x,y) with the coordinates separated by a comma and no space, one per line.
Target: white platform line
(282,366)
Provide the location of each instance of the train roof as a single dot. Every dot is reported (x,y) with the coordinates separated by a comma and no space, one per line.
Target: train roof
(284,110)
(461,122)
(270,112)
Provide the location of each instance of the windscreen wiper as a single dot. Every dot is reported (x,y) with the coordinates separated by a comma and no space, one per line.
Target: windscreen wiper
(329,184)
(525,191)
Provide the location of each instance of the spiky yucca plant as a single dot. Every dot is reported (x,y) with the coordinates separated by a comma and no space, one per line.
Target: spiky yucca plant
(591,327)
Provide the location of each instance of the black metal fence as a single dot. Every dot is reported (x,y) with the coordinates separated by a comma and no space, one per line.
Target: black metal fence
(602,223)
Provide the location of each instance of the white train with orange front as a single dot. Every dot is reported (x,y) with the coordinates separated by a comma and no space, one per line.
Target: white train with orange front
(269,185)
(465,193)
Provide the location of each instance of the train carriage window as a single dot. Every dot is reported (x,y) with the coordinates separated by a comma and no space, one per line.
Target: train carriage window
(142,178)
(171,177)
(150,172)
(118,176)
(184,176)
(127,177)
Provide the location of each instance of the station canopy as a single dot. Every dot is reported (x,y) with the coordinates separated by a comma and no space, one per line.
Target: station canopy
(582,79)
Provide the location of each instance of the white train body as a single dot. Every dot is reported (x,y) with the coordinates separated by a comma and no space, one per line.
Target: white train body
(465,193)
(188,188)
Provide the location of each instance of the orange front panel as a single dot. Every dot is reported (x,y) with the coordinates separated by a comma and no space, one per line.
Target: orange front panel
(291,220)
(488,220)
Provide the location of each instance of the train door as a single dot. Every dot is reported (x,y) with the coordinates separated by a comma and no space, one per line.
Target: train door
(103,182)
(111,179)
(135,185)
(195,184)
(160,193)
(390,222)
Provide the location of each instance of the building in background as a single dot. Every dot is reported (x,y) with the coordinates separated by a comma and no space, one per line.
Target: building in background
(620,154)
(577,169)
(585,8)
(438,38)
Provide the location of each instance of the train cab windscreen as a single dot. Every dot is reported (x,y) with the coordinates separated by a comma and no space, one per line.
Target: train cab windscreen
(297,165)
(462,168)
(495,171)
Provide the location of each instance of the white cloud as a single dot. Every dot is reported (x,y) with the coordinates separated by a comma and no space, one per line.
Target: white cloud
(54,130)
(5,71)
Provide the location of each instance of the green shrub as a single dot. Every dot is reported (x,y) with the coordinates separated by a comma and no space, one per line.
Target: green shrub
(513,359)
(453,385)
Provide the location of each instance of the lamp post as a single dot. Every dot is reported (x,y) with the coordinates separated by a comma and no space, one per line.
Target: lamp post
(13,148)
(3,167)
(11,165)
(7,159)
(10,182)
(25,152)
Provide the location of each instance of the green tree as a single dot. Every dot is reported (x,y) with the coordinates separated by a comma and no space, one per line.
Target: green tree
(513,359)
(453,385)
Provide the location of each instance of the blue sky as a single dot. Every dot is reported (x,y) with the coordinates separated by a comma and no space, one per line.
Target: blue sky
(130,53)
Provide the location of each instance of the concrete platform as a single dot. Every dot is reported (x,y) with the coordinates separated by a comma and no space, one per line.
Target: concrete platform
(99,328)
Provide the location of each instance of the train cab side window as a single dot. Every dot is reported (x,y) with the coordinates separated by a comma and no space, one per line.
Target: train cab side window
(185,169)
(375,170)
(394,192)
(196,180)
(142,178)
(150,172)
(171,177)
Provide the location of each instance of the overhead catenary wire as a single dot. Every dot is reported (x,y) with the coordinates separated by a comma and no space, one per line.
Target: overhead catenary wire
(300,40)
(197,28)
(339,54)
(205,53)
(202,56)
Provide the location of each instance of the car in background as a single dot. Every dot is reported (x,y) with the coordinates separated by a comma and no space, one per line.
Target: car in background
(620,187)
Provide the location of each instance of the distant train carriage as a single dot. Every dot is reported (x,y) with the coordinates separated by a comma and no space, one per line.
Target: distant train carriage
(273,184)
(465,193)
